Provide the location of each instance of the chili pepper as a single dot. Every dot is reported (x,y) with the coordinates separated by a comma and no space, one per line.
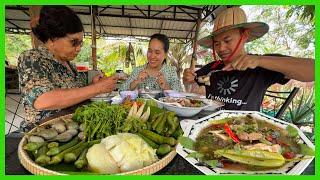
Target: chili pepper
(289,155)
(230,133)
(269,138)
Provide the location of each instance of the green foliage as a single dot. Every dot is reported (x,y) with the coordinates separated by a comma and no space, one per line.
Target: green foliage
(85,53)
(179,55)
(114,55)
(305,13)
(291,30)
(301,112)
(15,44)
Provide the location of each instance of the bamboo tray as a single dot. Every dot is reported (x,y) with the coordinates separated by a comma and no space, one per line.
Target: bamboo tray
(34,168)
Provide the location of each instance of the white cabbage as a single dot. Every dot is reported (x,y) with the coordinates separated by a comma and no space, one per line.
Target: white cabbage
(120,153)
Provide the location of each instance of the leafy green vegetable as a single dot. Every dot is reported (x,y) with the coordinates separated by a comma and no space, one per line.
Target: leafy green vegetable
(155,110)
(133,125)
(196,155)
(212,163)
(306,150)
(292,132)
(101,119)
(186,142)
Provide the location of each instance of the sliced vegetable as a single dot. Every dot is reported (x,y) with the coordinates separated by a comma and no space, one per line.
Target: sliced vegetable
(254,161)
(230,133)
(257,154)
(219,121)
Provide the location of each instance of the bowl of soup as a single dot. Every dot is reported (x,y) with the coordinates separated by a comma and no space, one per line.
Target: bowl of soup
(246,142)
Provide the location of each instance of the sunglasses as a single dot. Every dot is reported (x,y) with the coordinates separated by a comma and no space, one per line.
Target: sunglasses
(75,42)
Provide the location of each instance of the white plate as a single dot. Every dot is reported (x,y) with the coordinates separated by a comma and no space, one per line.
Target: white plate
(194,128)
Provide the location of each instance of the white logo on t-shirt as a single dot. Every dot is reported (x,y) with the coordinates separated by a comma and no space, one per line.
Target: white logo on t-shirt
(227,85)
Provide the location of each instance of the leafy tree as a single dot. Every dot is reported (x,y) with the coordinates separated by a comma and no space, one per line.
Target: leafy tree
(15,44)
(178,55)
(114,53)
(289,34)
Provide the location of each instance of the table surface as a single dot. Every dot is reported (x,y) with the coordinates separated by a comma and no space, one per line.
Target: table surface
(178,166)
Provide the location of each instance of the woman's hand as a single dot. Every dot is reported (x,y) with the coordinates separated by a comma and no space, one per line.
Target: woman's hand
(142,76)
(242,63)
(97,77)
(106,84)
(163,82)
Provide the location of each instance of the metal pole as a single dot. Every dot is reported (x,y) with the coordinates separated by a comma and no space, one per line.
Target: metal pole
(93,37)
(194,57)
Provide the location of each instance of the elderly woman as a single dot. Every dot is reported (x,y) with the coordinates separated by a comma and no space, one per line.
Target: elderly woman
(48,80)
(156,74)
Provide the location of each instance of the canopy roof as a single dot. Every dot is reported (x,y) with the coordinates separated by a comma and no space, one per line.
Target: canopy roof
(178,22)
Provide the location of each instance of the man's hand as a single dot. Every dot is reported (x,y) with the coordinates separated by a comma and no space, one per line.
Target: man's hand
(242,63)
(189,75)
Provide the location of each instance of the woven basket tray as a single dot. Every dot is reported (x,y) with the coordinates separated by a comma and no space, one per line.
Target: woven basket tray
(34,168)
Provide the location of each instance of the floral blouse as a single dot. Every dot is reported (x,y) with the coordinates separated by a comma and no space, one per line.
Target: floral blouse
(169,72)
(39,72)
